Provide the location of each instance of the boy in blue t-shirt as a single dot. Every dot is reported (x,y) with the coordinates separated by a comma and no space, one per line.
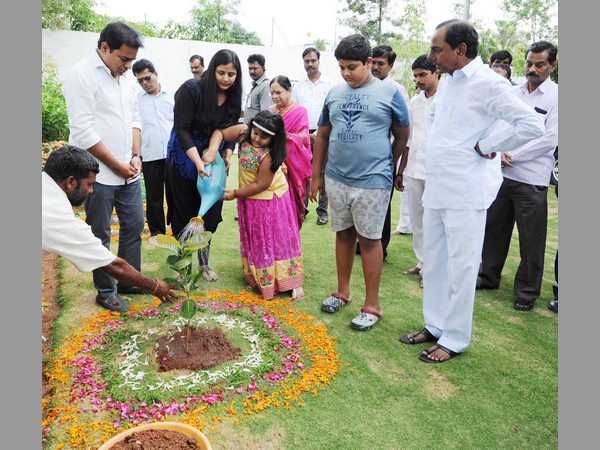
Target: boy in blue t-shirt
(354,133)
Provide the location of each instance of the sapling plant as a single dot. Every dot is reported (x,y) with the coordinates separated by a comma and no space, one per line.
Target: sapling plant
(181,262)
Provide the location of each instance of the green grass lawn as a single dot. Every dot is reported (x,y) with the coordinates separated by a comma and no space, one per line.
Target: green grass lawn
(502,393)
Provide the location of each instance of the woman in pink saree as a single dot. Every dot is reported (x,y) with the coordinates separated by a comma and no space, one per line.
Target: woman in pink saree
(298,161)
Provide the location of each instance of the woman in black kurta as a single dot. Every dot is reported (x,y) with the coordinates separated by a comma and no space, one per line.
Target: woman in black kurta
(201,106)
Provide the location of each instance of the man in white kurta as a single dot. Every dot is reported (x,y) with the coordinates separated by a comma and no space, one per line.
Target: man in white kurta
(419,109)
(463,177)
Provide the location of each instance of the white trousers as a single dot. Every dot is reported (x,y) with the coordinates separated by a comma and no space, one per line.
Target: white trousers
(453,240)
(404,225)
(414,188)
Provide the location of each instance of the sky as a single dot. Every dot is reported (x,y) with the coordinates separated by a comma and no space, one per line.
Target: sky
(295,22)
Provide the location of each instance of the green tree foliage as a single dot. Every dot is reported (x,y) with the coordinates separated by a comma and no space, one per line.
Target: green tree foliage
(321,45)
(174,30)
(410,42)
(54,109)
(77,15)
(369,18)
(535,14)
(55,14)
(215,21)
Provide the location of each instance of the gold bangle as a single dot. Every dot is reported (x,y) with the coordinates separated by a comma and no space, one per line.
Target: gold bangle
(156,287)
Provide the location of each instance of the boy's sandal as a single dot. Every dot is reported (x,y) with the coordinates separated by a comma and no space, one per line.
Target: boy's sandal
(425,356)
(411,338)
(366,319)
(297,293)
(334,302)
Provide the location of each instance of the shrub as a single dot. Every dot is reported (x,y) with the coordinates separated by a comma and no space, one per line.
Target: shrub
(54,109)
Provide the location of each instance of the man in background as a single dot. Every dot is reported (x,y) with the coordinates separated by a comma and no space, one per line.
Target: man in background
(311,93)
(156,114)
(523,196)
(383,62)
(412,171)
(259,97)
(197,66)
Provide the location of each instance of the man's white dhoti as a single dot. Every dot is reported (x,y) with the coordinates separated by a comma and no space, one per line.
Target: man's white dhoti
(452,251)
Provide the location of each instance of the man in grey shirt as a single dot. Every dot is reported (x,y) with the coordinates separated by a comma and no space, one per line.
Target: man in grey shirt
(259,97)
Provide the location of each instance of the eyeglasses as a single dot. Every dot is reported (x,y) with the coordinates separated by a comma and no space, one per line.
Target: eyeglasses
(144,79)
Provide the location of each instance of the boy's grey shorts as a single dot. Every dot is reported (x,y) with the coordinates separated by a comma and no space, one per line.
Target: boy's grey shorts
(365,209)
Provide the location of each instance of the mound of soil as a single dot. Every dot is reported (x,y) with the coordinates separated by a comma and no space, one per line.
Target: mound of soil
(208,347)
(156,440)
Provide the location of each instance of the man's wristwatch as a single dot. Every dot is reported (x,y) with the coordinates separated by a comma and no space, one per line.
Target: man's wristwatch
(133,155)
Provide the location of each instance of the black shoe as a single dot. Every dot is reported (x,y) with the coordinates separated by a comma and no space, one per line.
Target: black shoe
(553,306)
(236,218)
(523,305)
(322,221)
(131,290)
(113,303)
(480,284)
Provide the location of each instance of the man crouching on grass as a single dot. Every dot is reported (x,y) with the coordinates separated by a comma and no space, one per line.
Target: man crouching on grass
(354,133)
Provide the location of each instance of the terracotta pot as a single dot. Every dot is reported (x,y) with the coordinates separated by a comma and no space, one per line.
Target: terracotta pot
(189,431)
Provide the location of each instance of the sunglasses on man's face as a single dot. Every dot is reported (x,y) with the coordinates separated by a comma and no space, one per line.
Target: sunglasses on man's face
(144,79)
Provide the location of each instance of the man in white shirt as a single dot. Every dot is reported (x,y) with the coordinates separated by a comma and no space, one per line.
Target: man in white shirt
(311,93)
(413,174)
(383,62)
(68,178)
(463,177)
(104,120)
(156,116)
(523,196)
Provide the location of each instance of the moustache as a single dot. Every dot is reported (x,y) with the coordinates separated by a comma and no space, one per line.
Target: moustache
(531,75)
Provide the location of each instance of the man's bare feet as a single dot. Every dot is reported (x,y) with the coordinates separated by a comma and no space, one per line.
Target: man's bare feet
(209,274)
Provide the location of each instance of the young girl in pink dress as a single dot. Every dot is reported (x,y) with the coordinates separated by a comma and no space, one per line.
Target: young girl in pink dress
(269,236)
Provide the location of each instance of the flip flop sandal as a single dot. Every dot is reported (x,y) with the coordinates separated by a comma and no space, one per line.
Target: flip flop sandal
(297,293)
(425,358)
(411,338)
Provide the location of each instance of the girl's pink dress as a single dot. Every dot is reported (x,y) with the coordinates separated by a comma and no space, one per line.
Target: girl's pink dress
(269,236)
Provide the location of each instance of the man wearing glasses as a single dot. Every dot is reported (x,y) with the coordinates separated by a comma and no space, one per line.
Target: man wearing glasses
(156,115)
(104,120)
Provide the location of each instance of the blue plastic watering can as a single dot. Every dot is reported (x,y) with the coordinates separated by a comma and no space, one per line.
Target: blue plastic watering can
(211,188)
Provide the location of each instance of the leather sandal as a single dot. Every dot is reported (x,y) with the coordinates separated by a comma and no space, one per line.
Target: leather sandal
(411,338)
(425,357)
